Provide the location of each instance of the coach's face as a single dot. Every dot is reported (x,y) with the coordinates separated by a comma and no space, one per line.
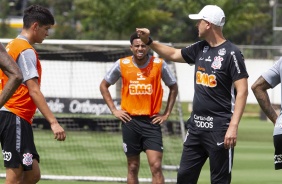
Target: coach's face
(139,50)
(203,26)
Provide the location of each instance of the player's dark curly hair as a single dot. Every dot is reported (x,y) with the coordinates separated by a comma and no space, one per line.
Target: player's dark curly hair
(36,13)
(133,37)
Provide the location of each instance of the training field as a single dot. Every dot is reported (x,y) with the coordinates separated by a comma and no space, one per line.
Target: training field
(253,162)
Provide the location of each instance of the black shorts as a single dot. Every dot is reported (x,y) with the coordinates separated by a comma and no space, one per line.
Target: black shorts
(277,141)
(17,141)
(140,134)
(197,148)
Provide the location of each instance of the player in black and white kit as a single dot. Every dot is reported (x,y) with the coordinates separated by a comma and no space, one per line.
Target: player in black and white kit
(220,95)
(270,79)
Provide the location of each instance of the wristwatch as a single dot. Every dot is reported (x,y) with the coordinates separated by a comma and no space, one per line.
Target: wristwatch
(150,41)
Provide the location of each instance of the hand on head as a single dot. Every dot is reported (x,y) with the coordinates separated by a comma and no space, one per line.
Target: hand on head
(144,34)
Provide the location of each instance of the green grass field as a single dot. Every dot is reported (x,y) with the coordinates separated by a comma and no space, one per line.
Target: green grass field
(91,154)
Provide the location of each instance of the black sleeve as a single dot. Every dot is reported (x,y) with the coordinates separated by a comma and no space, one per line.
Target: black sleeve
(190,53)
(237,65)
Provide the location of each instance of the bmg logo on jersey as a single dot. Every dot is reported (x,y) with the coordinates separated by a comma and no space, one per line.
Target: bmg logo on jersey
(203,122)
(206,79)
(7,155)
(140,89)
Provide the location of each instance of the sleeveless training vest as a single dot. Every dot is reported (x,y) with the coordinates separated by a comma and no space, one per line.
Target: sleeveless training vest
(20,103)
(142,90)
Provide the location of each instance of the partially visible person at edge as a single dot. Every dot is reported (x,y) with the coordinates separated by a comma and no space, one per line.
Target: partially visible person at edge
(270,79)
(13,73)
(220,93)
(20,156)
(141,102)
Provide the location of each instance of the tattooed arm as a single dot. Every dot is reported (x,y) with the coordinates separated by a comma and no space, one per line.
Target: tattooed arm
(260,88)
(12,71)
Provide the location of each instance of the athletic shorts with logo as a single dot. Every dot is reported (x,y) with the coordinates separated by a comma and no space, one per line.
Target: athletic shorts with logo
(200,145)
(140,134)
(17,141)
(277,141)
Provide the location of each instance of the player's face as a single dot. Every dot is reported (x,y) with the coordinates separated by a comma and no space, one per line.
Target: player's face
(139,49)
(202,28)
(41,33)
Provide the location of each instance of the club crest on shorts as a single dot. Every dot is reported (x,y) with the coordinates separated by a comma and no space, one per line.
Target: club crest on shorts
(216,64)
(27,159)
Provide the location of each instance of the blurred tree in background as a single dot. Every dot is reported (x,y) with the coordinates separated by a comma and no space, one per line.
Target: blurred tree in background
(112,19)
(5,30)
(247,21)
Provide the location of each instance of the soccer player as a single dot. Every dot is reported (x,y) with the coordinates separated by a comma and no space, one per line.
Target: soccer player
(141,101)
(270,79)
(14,74)
(220,93)
(19,152)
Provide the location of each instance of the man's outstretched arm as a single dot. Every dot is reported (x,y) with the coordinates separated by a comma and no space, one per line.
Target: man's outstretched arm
(167,52)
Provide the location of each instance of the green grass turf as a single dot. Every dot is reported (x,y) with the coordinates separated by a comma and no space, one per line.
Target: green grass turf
(253,161)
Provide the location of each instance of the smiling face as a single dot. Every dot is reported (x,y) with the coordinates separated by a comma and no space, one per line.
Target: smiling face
(139,51)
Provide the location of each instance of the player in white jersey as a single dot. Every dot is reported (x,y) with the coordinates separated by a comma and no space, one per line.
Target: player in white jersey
(269,79)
